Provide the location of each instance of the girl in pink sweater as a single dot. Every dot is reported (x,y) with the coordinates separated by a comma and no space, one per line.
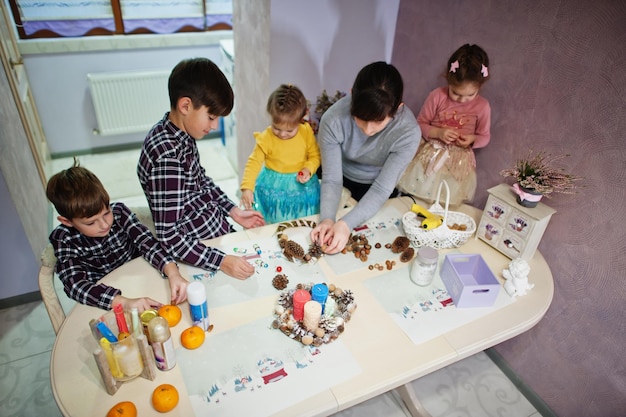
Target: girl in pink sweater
(454,120)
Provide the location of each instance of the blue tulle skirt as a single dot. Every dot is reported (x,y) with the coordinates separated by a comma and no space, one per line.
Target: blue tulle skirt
(280,197)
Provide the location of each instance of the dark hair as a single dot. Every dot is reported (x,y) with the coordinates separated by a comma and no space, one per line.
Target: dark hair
(376,92)
(204,83)
(287,104)
(468,66)
(76,192)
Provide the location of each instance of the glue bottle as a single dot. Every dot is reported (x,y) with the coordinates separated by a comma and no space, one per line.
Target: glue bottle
(196,296)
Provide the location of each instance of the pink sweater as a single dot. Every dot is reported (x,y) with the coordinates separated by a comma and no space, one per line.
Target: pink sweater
(472,117)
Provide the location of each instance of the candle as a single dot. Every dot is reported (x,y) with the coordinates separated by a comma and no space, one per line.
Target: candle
(122,326)
(312,314)
(330,307)
(319,293)
(300,297)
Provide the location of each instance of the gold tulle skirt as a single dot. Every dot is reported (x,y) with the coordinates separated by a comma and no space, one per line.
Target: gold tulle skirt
(434,162)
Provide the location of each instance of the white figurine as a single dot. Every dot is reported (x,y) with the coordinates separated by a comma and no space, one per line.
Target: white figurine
(517,278)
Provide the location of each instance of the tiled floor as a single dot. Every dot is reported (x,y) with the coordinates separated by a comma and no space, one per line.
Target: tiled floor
(473,387)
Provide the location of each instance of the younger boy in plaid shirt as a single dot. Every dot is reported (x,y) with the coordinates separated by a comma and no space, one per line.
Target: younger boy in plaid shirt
(96,237)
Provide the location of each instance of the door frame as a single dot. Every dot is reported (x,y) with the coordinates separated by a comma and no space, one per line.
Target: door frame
(15,70)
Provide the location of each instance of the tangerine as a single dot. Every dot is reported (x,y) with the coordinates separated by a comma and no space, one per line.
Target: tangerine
(123,409)
(123,335)
(192,338)
(164,398)
(171,313)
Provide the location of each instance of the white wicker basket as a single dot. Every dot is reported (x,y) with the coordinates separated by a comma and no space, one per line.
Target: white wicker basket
(441,237)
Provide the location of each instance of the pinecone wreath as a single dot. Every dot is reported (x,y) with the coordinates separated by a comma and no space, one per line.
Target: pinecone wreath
(293,250)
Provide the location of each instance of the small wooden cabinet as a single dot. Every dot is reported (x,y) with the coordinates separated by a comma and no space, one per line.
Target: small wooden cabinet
(511,228)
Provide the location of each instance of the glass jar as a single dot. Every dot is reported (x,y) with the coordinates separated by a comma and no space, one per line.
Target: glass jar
(424,266)
(119,346)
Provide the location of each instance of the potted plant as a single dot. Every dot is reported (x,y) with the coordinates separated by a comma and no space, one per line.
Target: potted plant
(536,175)
(323,102)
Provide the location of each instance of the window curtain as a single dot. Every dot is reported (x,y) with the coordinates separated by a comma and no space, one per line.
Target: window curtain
(76,18)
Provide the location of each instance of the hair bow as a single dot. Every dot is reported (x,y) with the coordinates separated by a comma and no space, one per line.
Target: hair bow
(484,71)
(454,66)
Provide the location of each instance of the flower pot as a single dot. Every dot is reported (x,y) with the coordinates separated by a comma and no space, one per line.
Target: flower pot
(527,197)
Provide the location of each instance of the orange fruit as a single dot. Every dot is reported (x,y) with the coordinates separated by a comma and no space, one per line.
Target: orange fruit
(171,313)
(123,409)
(164,398)
(123,335)
(192,337)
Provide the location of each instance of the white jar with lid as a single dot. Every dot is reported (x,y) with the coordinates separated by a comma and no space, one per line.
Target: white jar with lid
(424,266)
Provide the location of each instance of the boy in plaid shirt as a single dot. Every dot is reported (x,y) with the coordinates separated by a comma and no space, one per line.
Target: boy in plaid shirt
(96,237)
(187,206)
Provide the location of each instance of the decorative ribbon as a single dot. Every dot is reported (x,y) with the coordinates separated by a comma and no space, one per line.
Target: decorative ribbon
(438,159)
(523,195)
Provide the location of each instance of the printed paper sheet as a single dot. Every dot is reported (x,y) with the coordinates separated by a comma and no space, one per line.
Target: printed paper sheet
(424,313)
(256,370)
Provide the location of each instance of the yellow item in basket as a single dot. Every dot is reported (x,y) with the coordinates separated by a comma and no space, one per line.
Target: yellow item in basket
(430,221)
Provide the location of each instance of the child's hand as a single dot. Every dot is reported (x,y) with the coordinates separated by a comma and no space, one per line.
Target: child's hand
(144,303)
(178,284)
(236,267)
(447,135)
(465,141)
(247,199)
(247,218)
(303,176)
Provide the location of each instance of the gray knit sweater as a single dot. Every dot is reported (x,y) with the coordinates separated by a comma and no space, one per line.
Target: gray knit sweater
(379,160)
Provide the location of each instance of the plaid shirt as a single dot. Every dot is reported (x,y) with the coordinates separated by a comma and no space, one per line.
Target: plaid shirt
(82,260)
(186,204)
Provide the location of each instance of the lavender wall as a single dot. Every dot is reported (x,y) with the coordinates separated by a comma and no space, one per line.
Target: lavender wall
(558,84)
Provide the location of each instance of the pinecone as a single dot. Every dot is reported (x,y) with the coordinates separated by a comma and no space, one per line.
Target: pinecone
(293,250)
(280,281)
(400,244)
(346,298)
(315,250)
(407,255)
(327,324)
(284,299)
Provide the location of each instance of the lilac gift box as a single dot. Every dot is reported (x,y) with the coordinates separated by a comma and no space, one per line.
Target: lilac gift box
(469,280)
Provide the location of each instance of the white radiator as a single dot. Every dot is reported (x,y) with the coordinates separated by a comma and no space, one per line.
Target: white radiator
(128,102)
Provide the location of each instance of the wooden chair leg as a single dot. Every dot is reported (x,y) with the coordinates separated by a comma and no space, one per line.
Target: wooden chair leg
(407,393)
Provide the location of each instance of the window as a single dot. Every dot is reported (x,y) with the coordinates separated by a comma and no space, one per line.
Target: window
(76,18)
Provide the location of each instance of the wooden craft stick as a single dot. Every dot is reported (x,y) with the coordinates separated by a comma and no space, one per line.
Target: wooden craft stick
(147,355)
(110,383)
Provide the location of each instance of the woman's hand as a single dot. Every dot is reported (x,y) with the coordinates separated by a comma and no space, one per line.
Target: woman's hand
(247,199)
(236,267)
(247,218)
(339,239)
(332,236)
(323,232)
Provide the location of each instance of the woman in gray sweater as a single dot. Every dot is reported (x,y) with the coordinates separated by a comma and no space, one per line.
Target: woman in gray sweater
(366,139)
